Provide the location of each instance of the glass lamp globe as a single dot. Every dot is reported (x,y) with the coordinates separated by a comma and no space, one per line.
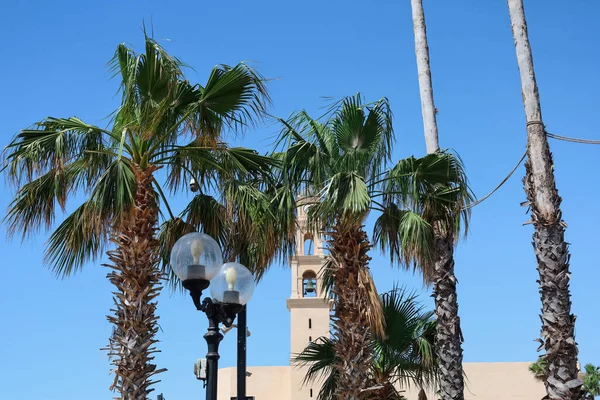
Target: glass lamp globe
(196,256)
(233,284)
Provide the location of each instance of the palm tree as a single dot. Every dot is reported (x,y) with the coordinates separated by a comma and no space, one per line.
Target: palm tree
(551,250)
(163,122)
(421,225)
(343,159)
(591,382)
(449,337)
(539,369)
(403,357)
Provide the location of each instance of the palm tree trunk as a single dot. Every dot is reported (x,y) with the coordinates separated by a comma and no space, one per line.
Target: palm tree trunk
(424,72)
(348,248)
(448,337)
(551,250)
(137,279)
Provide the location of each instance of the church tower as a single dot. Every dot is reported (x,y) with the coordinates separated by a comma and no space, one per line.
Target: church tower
(309,310)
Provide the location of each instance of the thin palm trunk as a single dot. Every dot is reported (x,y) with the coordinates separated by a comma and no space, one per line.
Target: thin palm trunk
(424,73)
(137,278)
(551,250)
(448,337)
(349,246)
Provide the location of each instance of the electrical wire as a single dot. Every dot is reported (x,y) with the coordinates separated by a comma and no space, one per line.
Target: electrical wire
(570,139)
(473,204)
(550,135)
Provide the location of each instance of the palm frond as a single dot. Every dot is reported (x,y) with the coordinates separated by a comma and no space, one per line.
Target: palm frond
(364,134)
(34,205)
(417,242)
(434,186)
(374,312)
(407,237)
(345,194)
(260,235)
(407,353)
(53,144)
(114,193)
(403,356)
(205,214)
(386,231)
(184,163)
(327,277)
(233,98)
(308,150)
(319,356)
(80,238)
(242,162)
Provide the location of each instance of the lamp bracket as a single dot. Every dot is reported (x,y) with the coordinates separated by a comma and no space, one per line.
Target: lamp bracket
(220,312)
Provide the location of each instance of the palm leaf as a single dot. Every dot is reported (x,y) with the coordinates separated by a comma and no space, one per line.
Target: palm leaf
(386,231)
(308,150)
(233,97)
(53,144)
(80,238)
(34,205)
(319,357)
(403,356)
(114,193)
(205,214)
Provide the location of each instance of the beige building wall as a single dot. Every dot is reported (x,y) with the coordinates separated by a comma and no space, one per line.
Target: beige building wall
(495,381)
(485,381)
(264,383)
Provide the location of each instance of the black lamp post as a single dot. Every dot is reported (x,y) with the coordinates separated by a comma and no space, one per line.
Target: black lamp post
(196,259)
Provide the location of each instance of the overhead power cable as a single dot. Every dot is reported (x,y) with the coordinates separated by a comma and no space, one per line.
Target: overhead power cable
(473,204)
(570,139)
(550,135)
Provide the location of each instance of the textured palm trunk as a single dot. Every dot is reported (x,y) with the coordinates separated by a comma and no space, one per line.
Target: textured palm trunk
(348,248)
(424,73)
(137,280)
(448,335)
(380,386)
(551,250)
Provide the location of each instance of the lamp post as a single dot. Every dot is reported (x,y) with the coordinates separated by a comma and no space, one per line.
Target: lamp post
(197,261)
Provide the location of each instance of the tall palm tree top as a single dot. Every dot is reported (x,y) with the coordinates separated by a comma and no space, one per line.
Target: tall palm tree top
(163,122)
(341,157)
(345,158)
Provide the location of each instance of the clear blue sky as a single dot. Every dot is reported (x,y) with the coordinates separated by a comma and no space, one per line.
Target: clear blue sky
(54,56)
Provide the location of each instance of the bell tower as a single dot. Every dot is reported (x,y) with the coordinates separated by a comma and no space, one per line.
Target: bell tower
(309,309)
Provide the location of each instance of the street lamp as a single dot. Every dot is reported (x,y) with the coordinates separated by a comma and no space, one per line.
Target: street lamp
(197,261)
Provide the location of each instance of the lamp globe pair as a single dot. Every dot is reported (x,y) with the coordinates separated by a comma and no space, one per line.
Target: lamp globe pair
(197,261)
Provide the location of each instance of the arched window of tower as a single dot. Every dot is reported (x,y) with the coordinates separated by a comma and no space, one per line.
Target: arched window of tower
(309,284)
